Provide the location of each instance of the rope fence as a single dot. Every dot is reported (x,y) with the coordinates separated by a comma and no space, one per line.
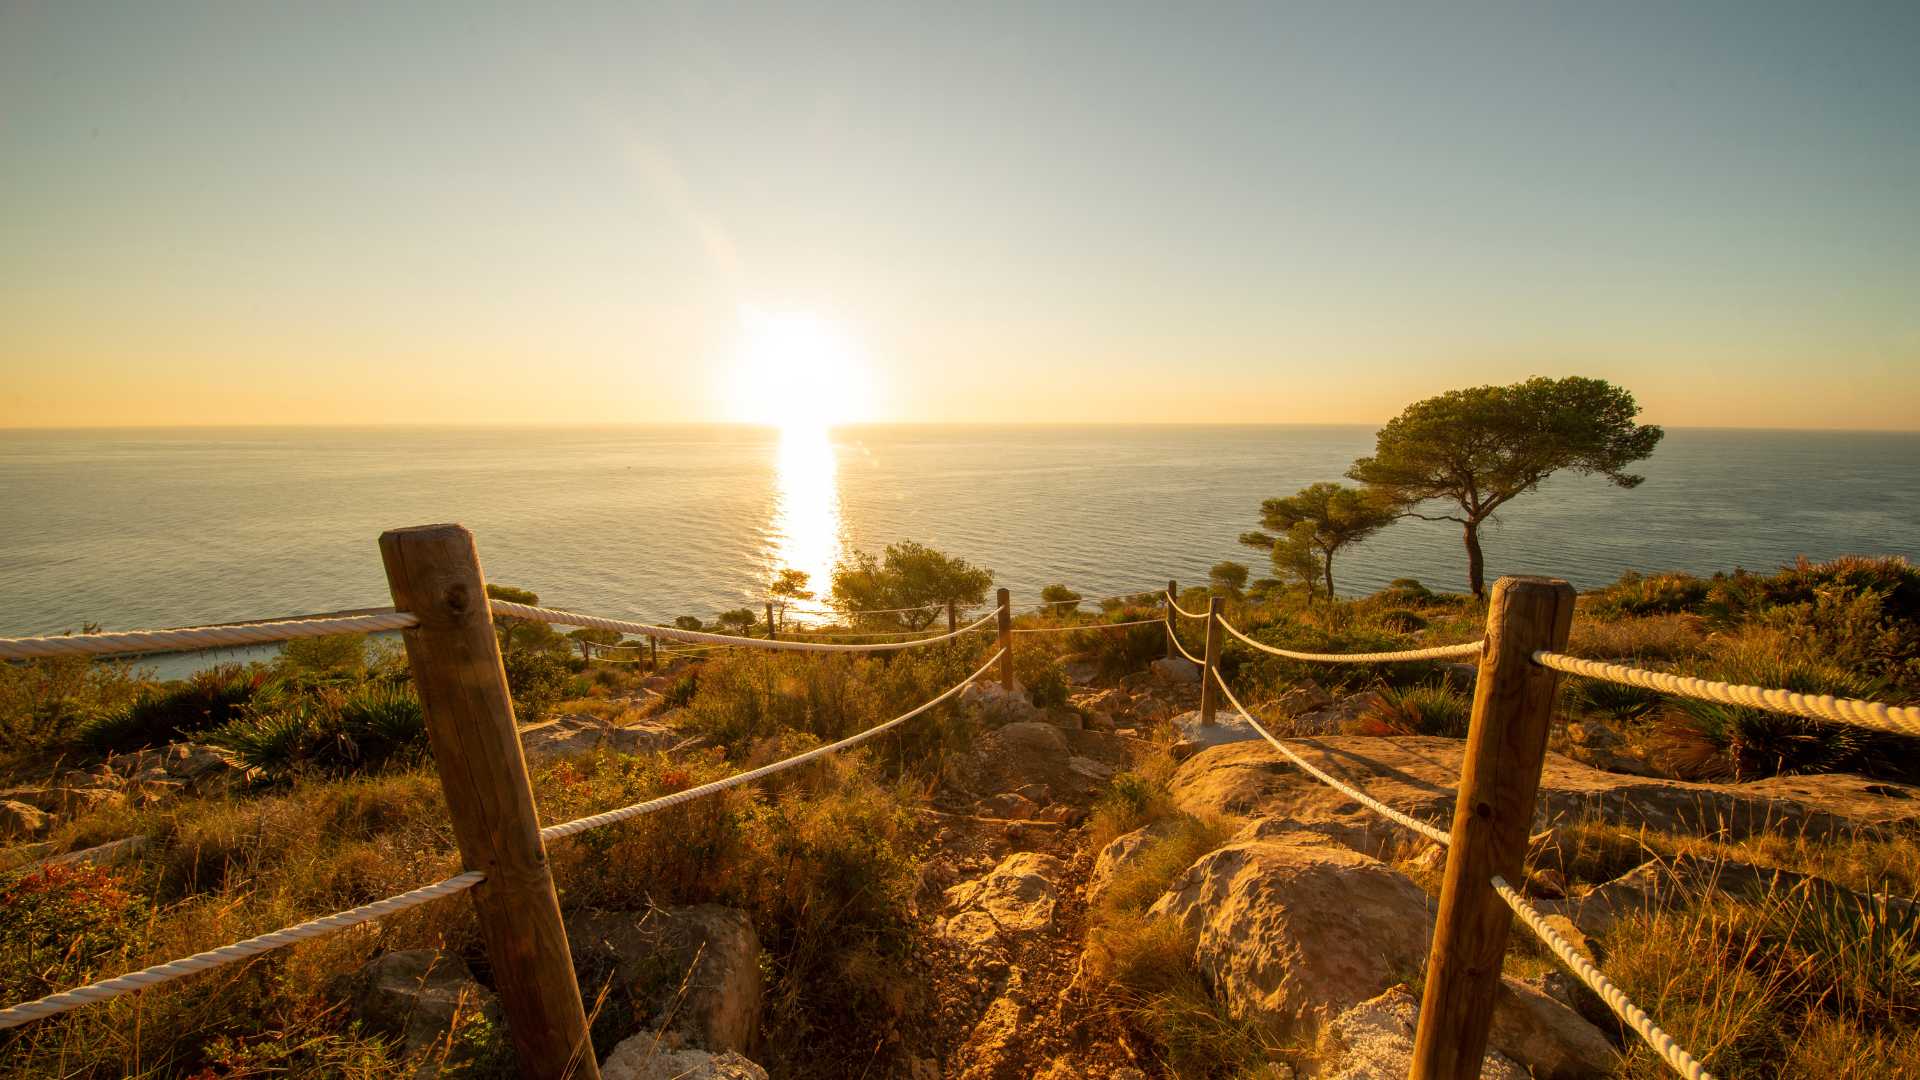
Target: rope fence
(1087,626)
(108,989)
(1438,652)
(669,633)
(1900,719)
(187,639)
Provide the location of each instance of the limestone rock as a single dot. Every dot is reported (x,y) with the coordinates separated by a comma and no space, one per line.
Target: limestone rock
(691,971)
(1228,726)
(1073,765)
(1291,930)
(415,996)
(646,1057)
(21,821)
(1551,1040)
(1593,743)
(1118,854)
(581,734)
(1377,1039)
(1000,705)
(1018,895)
(1175,670)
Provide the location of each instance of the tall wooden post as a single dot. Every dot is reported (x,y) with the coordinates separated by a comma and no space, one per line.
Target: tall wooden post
(953,618)
(1173,624)
(1506,748)
(433,571)
(1006,640)
(653,650)
(770,631)
(1209,692)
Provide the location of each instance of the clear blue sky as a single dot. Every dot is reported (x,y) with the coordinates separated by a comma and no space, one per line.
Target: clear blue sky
(256,212)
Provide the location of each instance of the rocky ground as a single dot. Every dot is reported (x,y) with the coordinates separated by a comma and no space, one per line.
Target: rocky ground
(1313,918)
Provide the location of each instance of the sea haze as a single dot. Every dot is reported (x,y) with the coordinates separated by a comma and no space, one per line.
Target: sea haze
(137,528)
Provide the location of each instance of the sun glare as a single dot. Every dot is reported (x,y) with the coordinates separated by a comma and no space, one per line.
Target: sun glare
(795,369)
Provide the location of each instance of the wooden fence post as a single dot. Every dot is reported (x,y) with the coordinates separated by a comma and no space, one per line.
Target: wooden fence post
(953,618)
(771,635)
(653,650)
(1209,692)
(1492,815)
(1006,640)
(433,571)
(1173,590)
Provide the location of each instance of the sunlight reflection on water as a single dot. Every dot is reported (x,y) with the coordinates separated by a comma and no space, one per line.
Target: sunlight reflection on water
(806,531)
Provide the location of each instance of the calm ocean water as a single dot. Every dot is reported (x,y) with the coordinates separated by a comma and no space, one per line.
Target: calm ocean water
(142,528)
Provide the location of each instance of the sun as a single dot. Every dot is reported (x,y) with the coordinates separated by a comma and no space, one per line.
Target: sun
(795,369)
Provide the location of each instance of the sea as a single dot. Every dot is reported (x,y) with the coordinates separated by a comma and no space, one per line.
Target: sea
(141,528)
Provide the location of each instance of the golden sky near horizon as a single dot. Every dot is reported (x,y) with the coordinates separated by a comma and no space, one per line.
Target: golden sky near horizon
(237,215)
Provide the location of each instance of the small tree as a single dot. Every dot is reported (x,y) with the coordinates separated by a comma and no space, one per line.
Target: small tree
(1480,448)
(1229,578)
(1060,600)
(908,575)
(587,636)
(739,620)
(1295,559)
(1323,518)
(788,586)
(688,622)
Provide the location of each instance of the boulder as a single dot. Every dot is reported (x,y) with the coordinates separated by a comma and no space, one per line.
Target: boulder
(415,996)
(1228,726)
(578,733)
(1175,671)
(693,972)
(1376,1041)
(1593,743)
(1008,805)
(1000,705)
(21,821)
(647,1057)
(1293,932)
(1016,896)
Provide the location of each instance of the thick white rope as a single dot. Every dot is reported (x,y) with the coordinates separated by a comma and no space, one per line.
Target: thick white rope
(1616,999)
(555,832)
(1431,832)
(54,1004)
(1175,638)
(200,637)
(1902,719)
(668,633)
(1438,652)
(1087,626)
(1175,606)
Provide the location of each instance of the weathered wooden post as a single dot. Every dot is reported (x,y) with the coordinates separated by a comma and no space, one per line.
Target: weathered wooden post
(1173,592)
(1006,640)
(653,650)
(953,618)
(433,572)
(771,635)
(1506,748)
(1209,692)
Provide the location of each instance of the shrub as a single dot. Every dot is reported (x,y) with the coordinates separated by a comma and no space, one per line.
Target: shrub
(679,692)
(1121,650)
(1042,676)
(331,658)
(173,711)
(1611,698)
(537,680)
(370,728)
(1639,594)
(1433,709)
(1404,590)
(44,703)
(62,923)
(1647,637)
(1401,621)
(1144,972)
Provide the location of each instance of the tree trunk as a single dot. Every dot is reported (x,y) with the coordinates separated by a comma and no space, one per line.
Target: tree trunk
(1327,565)
(1476,563)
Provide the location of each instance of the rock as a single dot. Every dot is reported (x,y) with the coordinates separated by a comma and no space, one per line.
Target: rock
(1294,932)
(690,971)
(1073,765)
(1000,705)
(111,853)
(1058,813)
(1294,929)
(992,1046)
(646,1057)
(1119,853)
(1007,805)
(1018,895)
(581,734)
(1038,793)
(203,769)
(1228,726)
(1175,671)
(1080,672)
(21,821)
(1853,798)
(415,996)
(1418,775)
(1377,1040)
(1593,743)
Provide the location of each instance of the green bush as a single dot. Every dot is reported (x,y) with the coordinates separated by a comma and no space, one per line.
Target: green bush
(1042,676)
(537,680)
(1432,709)
(372,727)
(44,703)
(1640,594)
(174,711)
(1401,621)
(1612,699)
(1121,650)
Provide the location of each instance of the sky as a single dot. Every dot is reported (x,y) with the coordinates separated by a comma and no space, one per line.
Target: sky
(267,213)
